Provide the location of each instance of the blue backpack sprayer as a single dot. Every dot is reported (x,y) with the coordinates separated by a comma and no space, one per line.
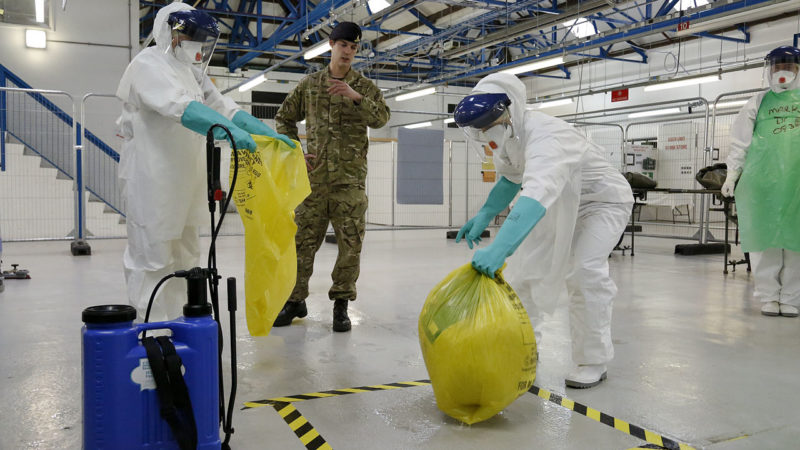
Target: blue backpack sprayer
(164,392)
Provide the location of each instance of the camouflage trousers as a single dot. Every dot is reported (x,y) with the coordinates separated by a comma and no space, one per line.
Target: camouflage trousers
(345,207)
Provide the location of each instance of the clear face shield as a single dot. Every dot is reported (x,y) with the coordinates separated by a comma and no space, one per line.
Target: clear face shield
(485,140)
(782,74)
(195,50)
(485,120)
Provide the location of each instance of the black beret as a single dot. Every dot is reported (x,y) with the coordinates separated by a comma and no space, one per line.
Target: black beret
(347,31)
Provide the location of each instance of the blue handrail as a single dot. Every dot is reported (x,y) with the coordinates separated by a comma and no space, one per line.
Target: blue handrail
(6,74)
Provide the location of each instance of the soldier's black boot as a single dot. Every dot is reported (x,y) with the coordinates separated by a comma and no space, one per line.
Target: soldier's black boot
(290,311)
(341,322)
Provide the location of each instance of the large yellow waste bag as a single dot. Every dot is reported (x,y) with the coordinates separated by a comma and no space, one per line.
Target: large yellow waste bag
(270,184)
(478,345)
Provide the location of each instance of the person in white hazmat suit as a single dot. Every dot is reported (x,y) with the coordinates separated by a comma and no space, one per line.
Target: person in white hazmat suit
(169,104)
(577,201)
(764,158)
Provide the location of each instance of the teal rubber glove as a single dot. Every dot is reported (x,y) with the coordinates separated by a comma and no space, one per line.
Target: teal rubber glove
(524,216)
(249,123)
(199,118)
(501,195)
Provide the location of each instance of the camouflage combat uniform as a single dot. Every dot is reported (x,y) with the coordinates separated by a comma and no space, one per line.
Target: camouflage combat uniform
(336,129)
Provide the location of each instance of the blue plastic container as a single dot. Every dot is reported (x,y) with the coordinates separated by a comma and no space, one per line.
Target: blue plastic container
(120,403)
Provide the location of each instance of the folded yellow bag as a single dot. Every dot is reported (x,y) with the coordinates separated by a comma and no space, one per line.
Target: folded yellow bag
(270,184)
(478,345)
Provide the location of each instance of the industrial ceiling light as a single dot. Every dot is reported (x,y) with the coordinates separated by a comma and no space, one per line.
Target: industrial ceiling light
(581,27)
(449,120)
(657,112)
(317,50)
(682,83)
(554,103)
(418,125)
(415,94)
(683,5)
(253,83)
(39,7)
(377,5)
(35,39)
(535,65)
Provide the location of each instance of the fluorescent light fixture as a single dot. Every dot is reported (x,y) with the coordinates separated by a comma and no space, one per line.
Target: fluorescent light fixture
(553,103)
(252,83)
(681,83)
(535,65)
(415,94)
(377,5)
(39,6)
(317,50)
(583,28)
(418,125)
(35,39)
(449,120)
(724,105)
(683,5)
(658,112)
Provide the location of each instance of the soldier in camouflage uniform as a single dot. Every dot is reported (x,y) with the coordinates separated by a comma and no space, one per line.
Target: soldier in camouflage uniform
(338,104)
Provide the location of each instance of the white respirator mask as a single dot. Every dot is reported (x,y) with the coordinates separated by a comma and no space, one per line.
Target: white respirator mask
(189,52)
(782,80)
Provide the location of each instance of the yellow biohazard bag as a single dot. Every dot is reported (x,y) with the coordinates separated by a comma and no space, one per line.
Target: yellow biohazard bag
(270,184)
(478,345)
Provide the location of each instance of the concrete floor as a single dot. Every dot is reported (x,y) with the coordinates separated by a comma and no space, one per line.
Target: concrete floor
(695,363)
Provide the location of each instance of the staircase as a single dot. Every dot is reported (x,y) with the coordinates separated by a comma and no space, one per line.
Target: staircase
(38,201)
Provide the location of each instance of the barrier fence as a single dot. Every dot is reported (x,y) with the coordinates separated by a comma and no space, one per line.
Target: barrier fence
(37,127)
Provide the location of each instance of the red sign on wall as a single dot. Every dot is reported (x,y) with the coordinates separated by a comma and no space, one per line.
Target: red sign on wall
(683,26)
(620,95)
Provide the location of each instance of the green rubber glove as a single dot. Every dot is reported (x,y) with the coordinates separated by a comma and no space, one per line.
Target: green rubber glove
(249,123)
(524,216)
(501,195)
(199,118)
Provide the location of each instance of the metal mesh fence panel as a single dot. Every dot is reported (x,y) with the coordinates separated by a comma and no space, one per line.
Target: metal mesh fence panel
(101,147)
(36,187)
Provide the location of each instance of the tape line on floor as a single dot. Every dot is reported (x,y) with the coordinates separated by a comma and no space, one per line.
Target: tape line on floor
(302,428)
(336,392)
(613,422)
(618,424)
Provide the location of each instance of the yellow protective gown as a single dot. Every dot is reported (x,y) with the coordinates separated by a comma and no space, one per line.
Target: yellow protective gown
(270,184)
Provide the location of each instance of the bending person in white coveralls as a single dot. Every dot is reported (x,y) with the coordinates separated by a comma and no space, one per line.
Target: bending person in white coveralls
(169,104)
(582,202)
(765,159)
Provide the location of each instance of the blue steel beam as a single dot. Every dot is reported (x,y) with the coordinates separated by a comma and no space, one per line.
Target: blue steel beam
(744,40)
(664,24)
(666,7)
(285,32)
(446,33)
(424,20)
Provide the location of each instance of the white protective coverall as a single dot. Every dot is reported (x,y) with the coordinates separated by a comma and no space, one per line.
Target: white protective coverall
(776,271)
(588,206)
(162,169)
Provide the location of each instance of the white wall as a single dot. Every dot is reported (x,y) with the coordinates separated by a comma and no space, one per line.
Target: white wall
(87,50)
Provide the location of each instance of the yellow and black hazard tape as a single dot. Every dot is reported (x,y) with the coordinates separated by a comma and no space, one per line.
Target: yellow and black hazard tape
(613,422)
(313,440)
(335,392)
(302,428)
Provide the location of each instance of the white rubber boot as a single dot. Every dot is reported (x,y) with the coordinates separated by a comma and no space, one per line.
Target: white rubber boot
(771,309)
(586,376)
(788,310)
